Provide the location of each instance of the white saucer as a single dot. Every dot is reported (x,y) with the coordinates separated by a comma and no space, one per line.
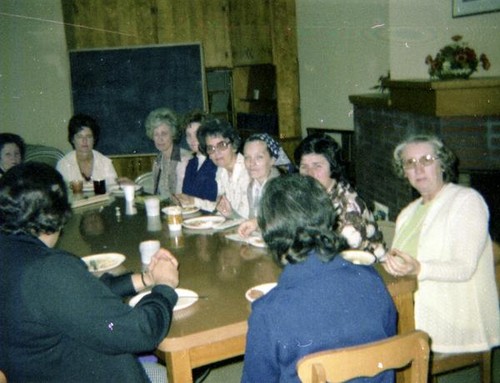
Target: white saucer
(186,298)
(264,289)
(359,257)
(102,262)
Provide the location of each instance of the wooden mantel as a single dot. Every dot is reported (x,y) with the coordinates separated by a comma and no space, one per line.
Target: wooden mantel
(472,97)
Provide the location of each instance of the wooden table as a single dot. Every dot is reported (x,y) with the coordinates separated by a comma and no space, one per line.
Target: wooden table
(213,329)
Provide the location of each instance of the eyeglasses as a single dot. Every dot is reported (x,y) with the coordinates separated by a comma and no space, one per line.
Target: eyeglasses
(411,163)
(221,146)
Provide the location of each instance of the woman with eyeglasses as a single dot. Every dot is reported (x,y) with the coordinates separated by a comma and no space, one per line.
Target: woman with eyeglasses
(220,141)
(442,238)
(318,156)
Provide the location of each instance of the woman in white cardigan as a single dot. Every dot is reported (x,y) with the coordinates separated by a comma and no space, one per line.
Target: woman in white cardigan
(442,238)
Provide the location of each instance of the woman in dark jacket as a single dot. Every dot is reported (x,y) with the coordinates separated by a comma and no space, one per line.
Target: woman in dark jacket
(59,323)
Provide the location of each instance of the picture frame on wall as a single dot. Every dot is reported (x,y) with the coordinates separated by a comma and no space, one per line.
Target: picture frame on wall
(473,7)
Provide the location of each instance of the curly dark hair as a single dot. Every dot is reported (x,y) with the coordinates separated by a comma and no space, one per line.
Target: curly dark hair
(296,216)
(33,200)
(11,138)
(320,143)
(80,121)
(196,116)
(217,128)
(447,159)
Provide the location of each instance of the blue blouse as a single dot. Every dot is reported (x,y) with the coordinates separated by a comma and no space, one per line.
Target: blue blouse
(200,182)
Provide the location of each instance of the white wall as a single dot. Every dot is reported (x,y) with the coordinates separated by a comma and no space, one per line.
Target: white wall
(343,49)
(346,45)
(420,28)
(34,72)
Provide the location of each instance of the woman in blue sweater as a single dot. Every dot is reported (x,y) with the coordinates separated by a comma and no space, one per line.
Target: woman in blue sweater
(199,178)
(321,301)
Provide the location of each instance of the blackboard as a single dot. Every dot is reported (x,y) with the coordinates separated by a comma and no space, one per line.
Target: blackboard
(119,87)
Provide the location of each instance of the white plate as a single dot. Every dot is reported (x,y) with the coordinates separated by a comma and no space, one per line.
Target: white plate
(88,187)
(117,189)
(256,241)
(103,262)
(188,210)
(359,257)
(264,289)
(186,298)
(203,223)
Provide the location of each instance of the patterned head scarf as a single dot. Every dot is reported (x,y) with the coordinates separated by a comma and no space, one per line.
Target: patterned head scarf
(275,148)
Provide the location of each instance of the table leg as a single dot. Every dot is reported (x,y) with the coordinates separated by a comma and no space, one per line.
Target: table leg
(179,368)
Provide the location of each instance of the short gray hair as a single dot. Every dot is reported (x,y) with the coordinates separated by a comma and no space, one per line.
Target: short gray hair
(162,116)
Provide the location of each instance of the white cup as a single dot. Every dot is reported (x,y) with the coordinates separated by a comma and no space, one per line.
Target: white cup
(148,249)
(129,191)
(154,223)
(152,206)
(174,218)
(130,208)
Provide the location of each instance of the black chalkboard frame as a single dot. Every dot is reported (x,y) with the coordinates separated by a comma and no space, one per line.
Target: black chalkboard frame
(120,86)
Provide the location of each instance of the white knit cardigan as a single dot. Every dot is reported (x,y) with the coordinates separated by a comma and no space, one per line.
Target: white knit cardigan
(457,301)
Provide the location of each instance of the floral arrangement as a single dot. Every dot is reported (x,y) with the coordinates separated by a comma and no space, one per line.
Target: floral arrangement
(455,60)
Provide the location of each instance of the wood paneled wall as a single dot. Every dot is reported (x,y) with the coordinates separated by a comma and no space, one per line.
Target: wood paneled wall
(233,33)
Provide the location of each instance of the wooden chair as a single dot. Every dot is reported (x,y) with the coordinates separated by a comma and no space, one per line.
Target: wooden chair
(444,363)
(368,360)
(45,154)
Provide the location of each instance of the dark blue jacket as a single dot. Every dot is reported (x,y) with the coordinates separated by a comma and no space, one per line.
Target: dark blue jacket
(316,306)
(59,323)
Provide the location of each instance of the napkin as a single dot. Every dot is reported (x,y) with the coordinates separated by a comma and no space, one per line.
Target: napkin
(89,200)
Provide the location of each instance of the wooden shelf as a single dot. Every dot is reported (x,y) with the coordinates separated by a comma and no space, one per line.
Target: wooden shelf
(472,97)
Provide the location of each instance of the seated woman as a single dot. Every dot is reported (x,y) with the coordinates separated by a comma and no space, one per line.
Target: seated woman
(220,141)
(199,178)
(12,151)
(261,152)
(318,156)
(169,167)
(84,163)
(321,301)
(442,238)
(59,322)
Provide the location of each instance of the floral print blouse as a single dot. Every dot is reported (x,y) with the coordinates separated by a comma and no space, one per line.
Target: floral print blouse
(355,221)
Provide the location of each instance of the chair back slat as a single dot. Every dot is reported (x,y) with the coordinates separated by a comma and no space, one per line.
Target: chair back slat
(368,360)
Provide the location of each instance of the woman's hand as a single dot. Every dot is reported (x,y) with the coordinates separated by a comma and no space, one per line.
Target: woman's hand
(163,269)
(400,264)
(247,227)
(224,206)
